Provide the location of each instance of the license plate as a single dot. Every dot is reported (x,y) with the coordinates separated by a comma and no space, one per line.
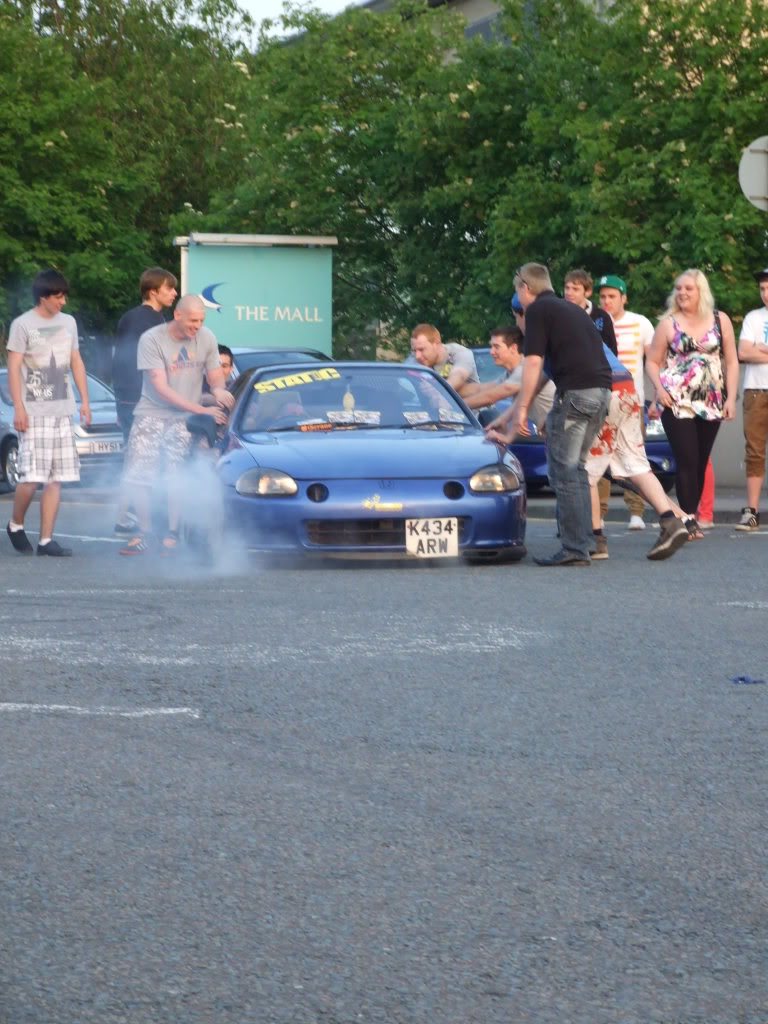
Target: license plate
(432,538)
(104,447)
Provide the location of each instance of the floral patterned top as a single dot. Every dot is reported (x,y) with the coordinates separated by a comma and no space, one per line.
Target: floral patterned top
(693,374)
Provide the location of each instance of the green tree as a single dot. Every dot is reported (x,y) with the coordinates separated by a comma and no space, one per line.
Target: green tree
(327,114)
(119,114)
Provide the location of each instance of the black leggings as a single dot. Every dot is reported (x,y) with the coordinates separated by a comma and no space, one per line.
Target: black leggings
(691,441)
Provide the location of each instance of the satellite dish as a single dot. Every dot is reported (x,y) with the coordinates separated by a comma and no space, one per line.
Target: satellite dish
(753,173)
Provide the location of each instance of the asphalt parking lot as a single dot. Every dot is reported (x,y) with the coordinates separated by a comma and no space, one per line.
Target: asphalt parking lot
(383,793)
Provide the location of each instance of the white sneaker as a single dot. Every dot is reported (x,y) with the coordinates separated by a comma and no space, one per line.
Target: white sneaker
(635,523)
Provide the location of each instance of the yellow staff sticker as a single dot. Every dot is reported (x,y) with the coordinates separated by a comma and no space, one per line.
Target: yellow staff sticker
(375,503)
(293,380)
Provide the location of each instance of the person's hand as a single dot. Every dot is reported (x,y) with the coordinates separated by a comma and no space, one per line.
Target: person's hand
(225,398)
(217,412)
(663,398)
(729,409)
(496,435)
(85,414)
(20,420)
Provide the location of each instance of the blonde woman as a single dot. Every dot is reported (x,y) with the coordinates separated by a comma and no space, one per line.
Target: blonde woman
(693,365)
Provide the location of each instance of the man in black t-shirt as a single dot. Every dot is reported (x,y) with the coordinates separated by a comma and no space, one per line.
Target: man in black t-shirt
(158,290)
(562,340)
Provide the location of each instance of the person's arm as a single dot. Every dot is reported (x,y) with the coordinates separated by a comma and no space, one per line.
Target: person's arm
(609,334)
(78,372)
(216,382)
(749,349)
(159,380)
(533,381)
(478,395)
(731,366)
(16,389)
(656,357)
(463,368)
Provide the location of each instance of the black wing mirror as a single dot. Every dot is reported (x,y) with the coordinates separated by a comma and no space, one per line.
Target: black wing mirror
(203,426)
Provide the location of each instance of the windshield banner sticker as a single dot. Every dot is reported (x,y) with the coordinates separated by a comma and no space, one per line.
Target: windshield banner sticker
(293,380)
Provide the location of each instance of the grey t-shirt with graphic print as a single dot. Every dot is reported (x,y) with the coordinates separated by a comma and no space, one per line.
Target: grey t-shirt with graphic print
(460,358)
(185,363)
(47,344)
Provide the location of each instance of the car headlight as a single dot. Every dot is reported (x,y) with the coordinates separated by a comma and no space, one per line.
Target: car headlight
(494,478)
(654,428)
(266,483)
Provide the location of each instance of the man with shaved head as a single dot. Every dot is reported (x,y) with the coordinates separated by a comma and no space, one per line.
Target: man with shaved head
(174,358)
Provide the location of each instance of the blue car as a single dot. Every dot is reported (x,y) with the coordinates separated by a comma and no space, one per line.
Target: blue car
(340,458)
(531,451)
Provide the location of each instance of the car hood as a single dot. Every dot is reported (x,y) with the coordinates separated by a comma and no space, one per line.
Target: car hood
(373,453)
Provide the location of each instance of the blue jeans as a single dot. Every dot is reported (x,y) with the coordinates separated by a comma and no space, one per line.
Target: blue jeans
(572,424)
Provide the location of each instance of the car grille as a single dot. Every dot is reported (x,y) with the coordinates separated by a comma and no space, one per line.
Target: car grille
(356,533)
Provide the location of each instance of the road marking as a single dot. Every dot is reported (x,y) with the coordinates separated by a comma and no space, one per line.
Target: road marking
(73,709)
(88,540)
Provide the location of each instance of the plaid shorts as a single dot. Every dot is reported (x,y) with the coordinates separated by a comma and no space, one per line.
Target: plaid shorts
(155,445)
(47,452)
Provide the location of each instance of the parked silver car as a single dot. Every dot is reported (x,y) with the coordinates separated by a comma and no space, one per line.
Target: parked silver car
(99,446)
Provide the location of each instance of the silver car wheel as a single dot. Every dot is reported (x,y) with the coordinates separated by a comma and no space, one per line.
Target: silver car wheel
(11,465)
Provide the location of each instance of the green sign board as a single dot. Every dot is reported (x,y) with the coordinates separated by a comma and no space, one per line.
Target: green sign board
(262,295)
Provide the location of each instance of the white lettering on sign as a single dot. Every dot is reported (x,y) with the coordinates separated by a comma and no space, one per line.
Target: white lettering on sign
(252,313)
(307,315)
(302,314)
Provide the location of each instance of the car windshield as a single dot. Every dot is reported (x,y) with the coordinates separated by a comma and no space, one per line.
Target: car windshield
(97,391)
(348,397)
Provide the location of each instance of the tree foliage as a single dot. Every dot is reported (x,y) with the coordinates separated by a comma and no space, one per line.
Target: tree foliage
(441,163)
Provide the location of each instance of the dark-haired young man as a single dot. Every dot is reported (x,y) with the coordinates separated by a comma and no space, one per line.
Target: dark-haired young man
(42,349)
(506,346)
(158,289)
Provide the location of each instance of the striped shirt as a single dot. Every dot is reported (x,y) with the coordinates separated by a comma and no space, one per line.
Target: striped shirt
(634,333)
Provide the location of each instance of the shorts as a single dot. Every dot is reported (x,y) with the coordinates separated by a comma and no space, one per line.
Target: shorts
(755,408)
(47,451)
(619,443)
(155,446)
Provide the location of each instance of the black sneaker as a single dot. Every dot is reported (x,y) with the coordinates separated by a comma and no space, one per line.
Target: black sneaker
(55,549)
(19,540)
(672,536)
(750,520)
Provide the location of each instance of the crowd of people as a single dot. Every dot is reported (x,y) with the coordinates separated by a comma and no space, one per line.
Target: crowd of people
(573,368)
(159,369)
(585,364)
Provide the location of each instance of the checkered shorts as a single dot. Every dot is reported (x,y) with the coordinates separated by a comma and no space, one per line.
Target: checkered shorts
(155,446)
(47,451)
